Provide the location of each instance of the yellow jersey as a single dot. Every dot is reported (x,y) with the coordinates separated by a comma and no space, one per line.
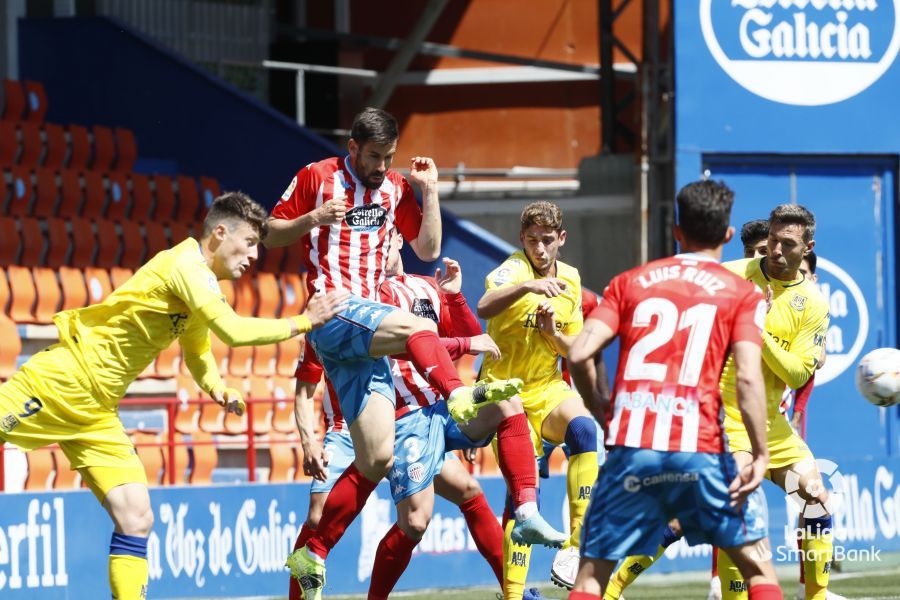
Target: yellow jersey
(793,340)
(173,296)
(525,352)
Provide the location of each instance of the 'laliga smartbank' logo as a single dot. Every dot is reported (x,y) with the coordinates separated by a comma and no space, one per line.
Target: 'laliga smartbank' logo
(849,319)
(803,52)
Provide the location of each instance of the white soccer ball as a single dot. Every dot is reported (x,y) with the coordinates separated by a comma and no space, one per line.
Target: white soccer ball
(878,376)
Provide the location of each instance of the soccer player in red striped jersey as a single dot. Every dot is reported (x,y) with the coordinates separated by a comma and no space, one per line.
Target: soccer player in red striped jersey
(677,319)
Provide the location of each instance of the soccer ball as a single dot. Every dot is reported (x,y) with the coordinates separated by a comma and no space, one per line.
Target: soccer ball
(878,376)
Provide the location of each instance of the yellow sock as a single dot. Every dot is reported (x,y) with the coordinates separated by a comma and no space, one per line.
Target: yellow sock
(128,577)
(817,572)
(515,565)
(732,582)
(627,572)
(580,477)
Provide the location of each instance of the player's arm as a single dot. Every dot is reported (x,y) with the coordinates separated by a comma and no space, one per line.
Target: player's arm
(795,366)
(457,319)
(309,373)
(284,232)
(427,243)
(196,351)
(752,404)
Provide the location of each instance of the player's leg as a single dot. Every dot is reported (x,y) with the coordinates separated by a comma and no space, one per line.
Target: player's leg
(732,584)
(316,503)
(754,561)
(457,485)
(516,557)
(633,566)
(129,507)
(592,573)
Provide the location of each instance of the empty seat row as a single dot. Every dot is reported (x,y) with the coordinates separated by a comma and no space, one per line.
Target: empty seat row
(68,193)
(99,148)
(23,100)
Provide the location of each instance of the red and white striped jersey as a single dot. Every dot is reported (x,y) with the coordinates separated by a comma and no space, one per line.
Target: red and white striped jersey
(677,319)
(351,254)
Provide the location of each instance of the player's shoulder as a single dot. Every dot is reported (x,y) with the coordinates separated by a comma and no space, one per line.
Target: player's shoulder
(514,265)
(743,267)
(567,271)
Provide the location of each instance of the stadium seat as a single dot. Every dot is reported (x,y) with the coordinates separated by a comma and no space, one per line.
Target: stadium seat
(14,107)
(186,416)
(12,343)
(150,454)
(283,412)
(288,356)
(21,187)
(188,200)
(169,361)
(211,417)
(182,460)
(269,294)
(58,243)
(487,462)
(293,294)
(79,147)
(270,259)
(293,259)
(35,101)
(465,366)
(71,193)
(165,198)
(156,239)
(232,423)
(104,148)
(119,207)
(48,294)
(99,286)
(32,147)
(84,243)
(141,197)
(46,193)
(178,232)
(126,149)
(119,275)
(66,478)
(264,359)
(4,292)
(205,458)
(227,288)
(94,195)
(109,243)
(9,143)
(33,243)
(134,245)
(209,191)
(55,149)
(40,469)
(21,287)
(9,241)
(75,294)
(262,408)
(282,456)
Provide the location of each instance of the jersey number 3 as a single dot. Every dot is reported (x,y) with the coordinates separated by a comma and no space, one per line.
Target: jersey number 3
(698,318)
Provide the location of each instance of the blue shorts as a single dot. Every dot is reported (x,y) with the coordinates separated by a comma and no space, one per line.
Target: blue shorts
(339,448)
(423,438)
(640,490)
(342,345)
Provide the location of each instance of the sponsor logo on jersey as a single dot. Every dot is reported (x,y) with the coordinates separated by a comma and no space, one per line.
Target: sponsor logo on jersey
(366,218)
(501,276)
(798,302)
(423,307)
(802,52)
(8,423)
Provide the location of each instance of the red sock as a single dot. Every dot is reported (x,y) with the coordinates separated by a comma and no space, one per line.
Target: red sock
(391,559)
(715,562)
(294,592)
(345,501)
(516,458)
(765,591)
(430,358)
(485,531)
(583,596)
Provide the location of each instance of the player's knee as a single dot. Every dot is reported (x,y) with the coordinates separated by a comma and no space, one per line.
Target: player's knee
(137,522)
(511,407)
(471,490)
(376,467)
(581,435)
(416,524)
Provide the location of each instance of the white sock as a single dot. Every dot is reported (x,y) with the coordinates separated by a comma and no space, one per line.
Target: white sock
(525,510)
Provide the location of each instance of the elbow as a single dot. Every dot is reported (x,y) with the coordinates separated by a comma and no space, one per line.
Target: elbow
(482,311)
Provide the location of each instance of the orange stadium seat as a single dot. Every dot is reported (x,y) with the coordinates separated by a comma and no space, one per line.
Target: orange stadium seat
(126,149)
(211,417)
(119,275)
(188,199)
(234,424)
(293,294)
(465,366)
(32,243)
(264,358)
(84,243)
(12,343)
(270,259)
(40,469)
(75,294)
(66,477)
(169,361)
(14,107)
(46,193)
(99,285)
(58,243)
(178,232)
(283,457)
(205,458)
(71,193)
(209,191)
(262,409)
(182,460)
(109,244)
(32,147)
(227,288)
(151,455)
(141,197)
(104,148)
(165,198)
(79,147)
(288,356)
(134,245)
(9,143)
(94,195)
(119,197)
(283,412)
(293,259)
(487,462)
(4,291)
(156,239)
(269,294)
(55,150)
(36,101)
(9,241)
(48,294)
(186,416)
(21,187)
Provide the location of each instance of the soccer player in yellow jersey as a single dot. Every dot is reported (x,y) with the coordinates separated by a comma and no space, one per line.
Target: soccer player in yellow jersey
(533,310)
(69,393)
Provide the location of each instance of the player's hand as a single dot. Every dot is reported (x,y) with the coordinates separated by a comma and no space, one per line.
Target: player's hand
(422,171)
(769,297)
(749,478)
(332,211)
(449,281)
(315,462)
(550,286)
(322,307)
(797,420)
(484,343)
(230,399)
(470,454)
(546,319)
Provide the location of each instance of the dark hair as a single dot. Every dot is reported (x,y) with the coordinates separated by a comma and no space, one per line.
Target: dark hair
(374,125)
(811,260)
(753,232)
(545,214)
(236,206)
(704,210)
(787,214)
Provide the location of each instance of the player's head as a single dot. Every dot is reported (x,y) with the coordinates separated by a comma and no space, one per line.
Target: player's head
(792,229)
(232,230)
(394,263)
(373,143)
(704,209)
(755,237)
(542,235)
(808,266)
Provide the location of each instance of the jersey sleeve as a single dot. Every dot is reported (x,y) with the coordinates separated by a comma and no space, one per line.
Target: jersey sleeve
(299,197)
(750,317)
(409,213)
(610,307)
(309,370)
(510,272)
(198,288)
(795,366)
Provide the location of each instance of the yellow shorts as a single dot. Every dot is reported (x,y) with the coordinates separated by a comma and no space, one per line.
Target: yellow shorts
(785,446)
(539,403)
(49,402)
